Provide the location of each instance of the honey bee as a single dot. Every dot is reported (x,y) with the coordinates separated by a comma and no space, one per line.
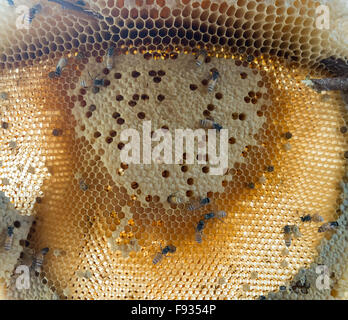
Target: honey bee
(92,82)
(220,215)
(39,259)
(60,66)
(209,124)
(290,230)
(316,218)
(174,199)
(78,8)
(110,58)
(9,239)
(209,215)
(287,235)
(328,226)
(159,256)
(213,80)
(196,204)
(32,13)
(98,82)
(200,226)
(199,231)
(201,57)
(83,185)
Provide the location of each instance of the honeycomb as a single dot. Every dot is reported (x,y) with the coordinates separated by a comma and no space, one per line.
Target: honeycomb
(104,220)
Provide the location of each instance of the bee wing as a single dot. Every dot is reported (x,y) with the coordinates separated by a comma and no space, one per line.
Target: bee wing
(221,215)
(190,207)
(221,219)
(297,234)
(90,75)
(317,218)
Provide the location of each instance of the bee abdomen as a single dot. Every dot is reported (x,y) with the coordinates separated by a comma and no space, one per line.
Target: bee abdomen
(287,239)
(198,62)
(174,199)
(109,59)
(211,87)
(203,123)
(8,243)
(157,258)
(38,262)
(198,237)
